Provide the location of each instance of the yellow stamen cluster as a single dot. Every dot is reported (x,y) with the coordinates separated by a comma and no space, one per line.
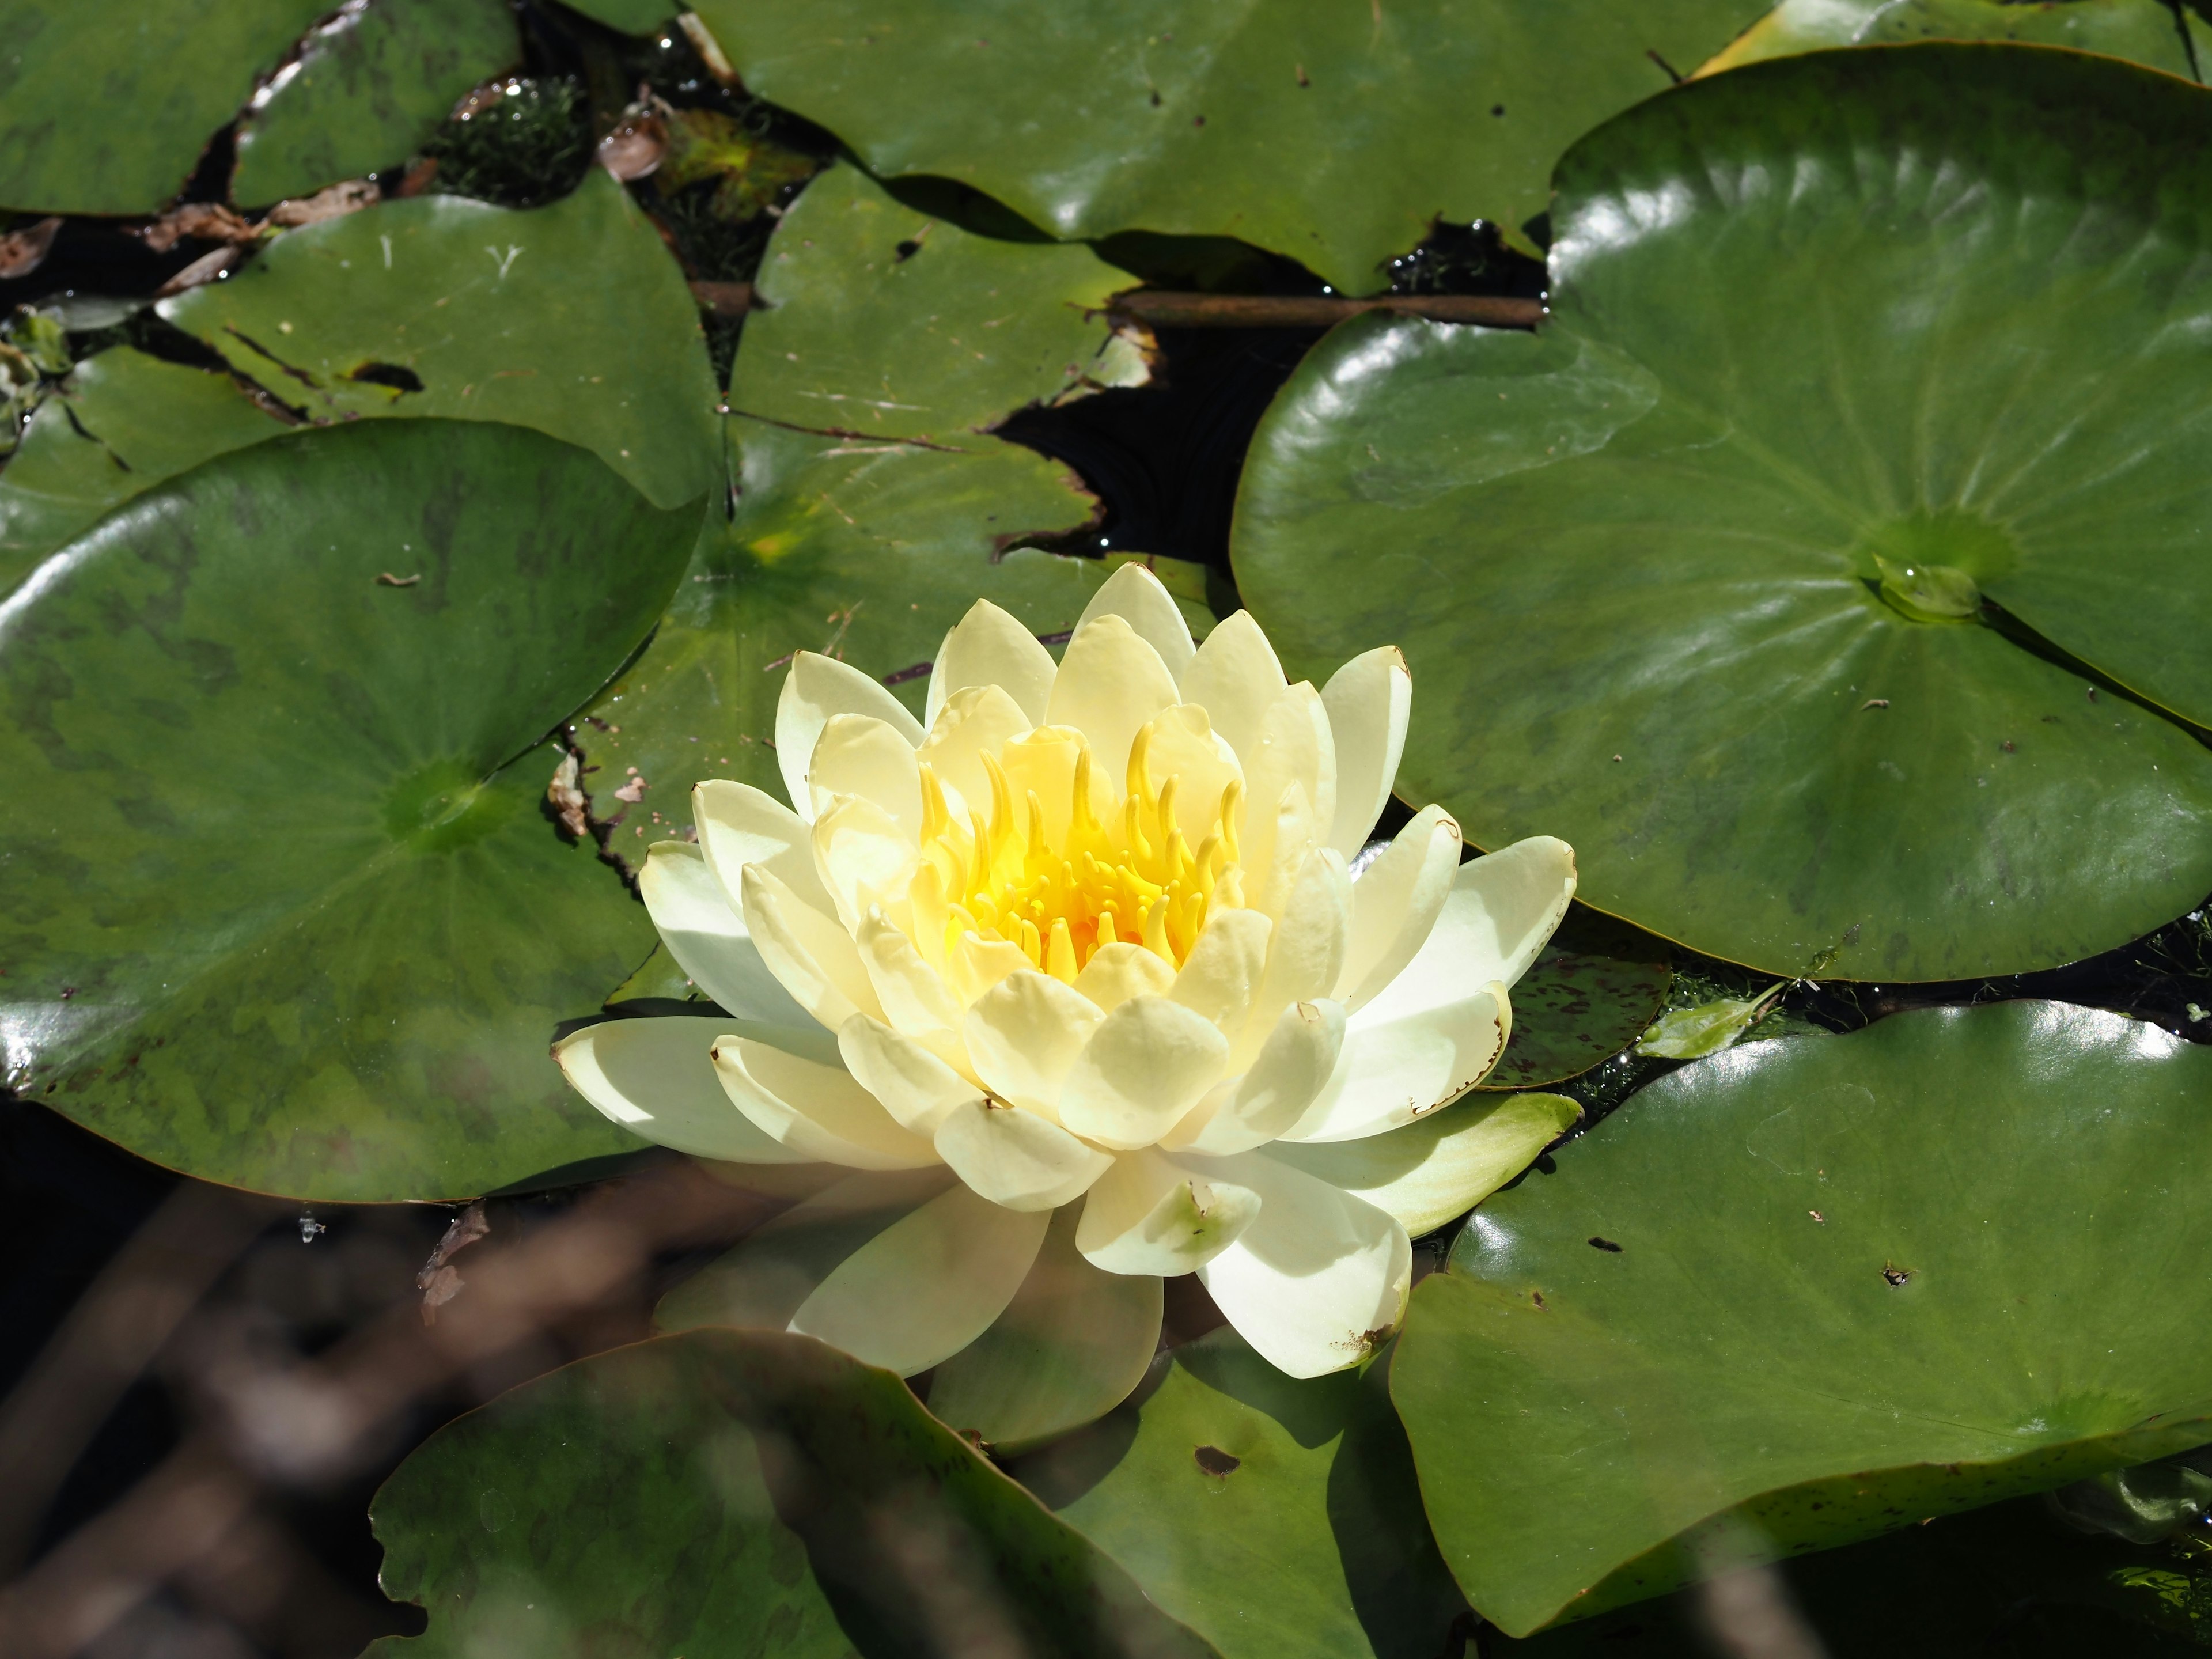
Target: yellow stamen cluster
(1059,900)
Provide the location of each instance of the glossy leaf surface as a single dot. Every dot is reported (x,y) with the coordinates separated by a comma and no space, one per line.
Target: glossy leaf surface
(720,1494)
(1805,1293)
(1275,1518)
(290,914)
(1632,561)
(368,87)
(1334,134)
(573,319)
(106,110)
(1585,998)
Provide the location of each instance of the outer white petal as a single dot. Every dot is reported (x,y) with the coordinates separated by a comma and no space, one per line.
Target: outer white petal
(915,1085)
(989,646)
(915,999)
(810,954)
(1149,1061)
(977,720)
(1122,970)
(1395,903)
(1501,911)
(929,1285)
(864,857)
(1368,700)
(1285,1079)
(1237,678)
(1024,1033)
(655,1079)
(1294,753)
(818,1111)
(1319,1279)
(859,754)
(817,688)
(708,938)
(1223,972)
(1445,1165)
(1111,682)
(769,1276)
(1305,956)
(1017,1158)
(1071,1345)
(1136,596)
(1153,1214)
(1393,1070)
(740,825)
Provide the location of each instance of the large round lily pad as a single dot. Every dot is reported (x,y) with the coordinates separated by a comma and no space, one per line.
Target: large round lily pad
(1274,1516)
(1827,332)
(365,90)
(1335,133)
(573,319)
(105,108)
(723,1493)
(1805,1293)
(283,908)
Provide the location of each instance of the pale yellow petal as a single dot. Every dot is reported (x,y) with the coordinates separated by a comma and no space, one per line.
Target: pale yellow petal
(1500,912)
(859,754)
(1395,903)
(817,688)
(813,956)
(1237,678)
(865,858)
(818,1111)
(1224,970)
(975,721)
(1149,1062)
(740,825)
(1121,970)
(1015,1158)
(916,998)
(1182,746)
(708,938)
(1290,779)
(989,646)
(1395,1069)
(1024,1034)
(1305,956)
(1443,1165)
(1283,1081)
(1369,701)
(656,1079)
(915,1087)
(1152,1214)
(1137,596)
(1110,683)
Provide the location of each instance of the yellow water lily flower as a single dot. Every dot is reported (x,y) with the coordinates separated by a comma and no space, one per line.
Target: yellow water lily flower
(1077,976)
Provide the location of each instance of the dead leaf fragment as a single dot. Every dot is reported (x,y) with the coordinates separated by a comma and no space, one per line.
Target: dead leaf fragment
(566,796)
(636,146)
(708,48)
(333,202)
(21,252)
(385,579)
(208,268)
(439,1282)
(633,792)
(209,221)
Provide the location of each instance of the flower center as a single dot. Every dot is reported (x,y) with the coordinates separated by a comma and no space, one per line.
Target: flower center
(1054,870)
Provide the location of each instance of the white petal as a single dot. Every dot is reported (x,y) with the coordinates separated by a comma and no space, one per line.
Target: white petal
(655,1079)
(817,688)
(1499,914)
(1392,1071)
(739,825)
(1150,1061)
(1015,1158)
(1224,969)
(1445,1165)
(1110,683)
(1294,751)
(818,1111)
(929,1285)
(1289,1072)
(1305,956)
(916,1000)
(1319,1279)
(1369,701)
(864,857)
(859,754)
(1395,903)
(1071,1345)
(989,646)
(1237,678)
(1153,1214)
(708,939)
(1182,746)
(813,957)
(977,963)
(977,720)
(913,1085)
(1024,1033)
(767,1278)
(1119,971)
(1136,596)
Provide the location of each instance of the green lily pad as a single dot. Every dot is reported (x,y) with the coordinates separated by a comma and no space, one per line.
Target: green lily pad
(1274,1516)
(573,319)
(284,909)
(1632,559)
(1334,133)
(367,87)
(2170,38)
(722,1493)
(885,321)
(1806,1292)
(1587,995)
(106,110)
(121,423)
